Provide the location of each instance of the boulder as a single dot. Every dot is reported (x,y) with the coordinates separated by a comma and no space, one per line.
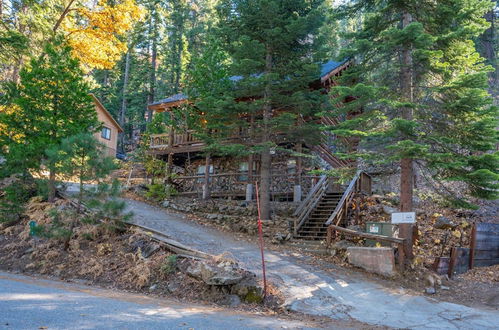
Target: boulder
(430,290)
(166,203)
(213,274)
(147,249)
(231,300)
(248,289)
(389,210)
(443,223)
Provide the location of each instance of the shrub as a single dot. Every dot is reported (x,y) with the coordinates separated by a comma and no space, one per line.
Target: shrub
(169,265)
(159,192)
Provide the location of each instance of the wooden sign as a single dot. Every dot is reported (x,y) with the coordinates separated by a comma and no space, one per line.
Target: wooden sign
(404,217)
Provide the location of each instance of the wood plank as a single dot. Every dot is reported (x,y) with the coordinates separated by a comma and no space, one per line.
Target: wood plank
(368,235)
(486,262)
(486,254)
(487,227)
(441,265)
(486,245)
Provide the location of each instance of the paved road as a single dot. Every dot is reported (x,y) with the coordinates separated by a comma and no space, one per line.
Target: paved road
(27,303)
(316,292)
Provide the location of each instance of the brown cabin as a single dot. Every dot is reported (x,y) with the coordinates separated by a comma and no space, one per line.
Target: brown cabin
(108,135)
(234,177)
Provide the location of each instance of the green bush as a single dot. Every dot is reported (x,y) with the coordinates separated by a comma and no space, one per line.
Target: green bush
(159,192)
(13,199)
(169,265)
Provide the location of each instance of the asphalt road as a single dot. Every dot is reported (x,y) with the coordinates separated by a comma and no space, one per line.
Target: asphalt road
(28,303)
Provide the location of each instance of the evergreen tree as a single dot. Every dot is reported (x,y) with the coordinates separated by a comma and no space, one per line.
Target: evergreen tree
(51,103)
(422,88)
(272,47)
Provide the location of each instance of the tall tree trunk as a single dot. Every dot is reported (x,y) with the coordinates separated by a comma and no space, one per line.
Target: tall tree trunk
(406,164)
(489,45)
(51,185)
(152,79)
(266,158)
(123,109)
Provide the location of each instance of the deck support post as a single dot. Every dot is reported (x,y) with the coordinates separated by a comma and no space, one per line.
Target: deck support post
(249,192)
(297,193)
(206,186)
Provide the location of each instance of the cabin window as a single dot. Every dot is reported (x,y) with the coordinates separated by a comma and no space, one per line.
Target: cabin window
(106,133)
(291,166)
(201,170)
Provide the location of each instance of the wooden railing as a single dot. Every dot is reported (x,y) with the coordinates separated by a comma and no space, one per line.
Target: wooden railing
(361,182)
(309,203)
(178,139)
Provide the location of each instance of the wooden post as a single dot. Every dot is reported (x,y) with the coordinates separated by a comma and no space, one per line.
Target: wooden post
(472,246)
(169,167)
(406,164)
(452,261)
(329,237)
(401,257)
(250,168)
(298,165)
(206,186)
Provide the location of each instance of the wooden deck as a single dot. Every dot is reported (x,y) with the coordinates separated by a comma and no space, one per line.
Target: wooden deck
(173,143)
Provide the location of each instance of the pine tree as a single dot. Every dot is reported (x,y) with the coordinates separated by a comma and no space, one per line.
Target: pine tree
(422,88)
(271,46)
(83,157)
(51,103)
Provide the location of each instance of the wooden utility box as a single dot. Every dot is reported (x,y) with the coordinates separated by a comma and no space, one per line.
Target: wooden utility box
(379,228)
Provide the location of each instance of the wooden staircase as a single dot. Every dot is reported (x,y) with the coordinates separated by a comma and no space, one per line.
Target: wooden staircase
(326,204)
(315,228)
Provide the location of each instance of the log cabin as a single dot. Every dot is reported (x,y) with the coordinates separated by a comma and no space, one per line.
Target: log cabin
(234,177)
(108,135)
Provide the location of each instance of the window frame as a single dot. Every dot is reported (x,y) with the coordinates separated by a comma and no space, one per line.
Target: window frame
(103,135)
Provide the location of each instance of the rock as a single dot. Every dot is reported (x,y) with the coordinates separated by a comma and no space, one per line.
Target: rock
(147,249)
(248,289)
(342,245)
(212,216)
(389,210)
(443,223)
(278,238)
(231,300)
(214,274)
(432,280)
(28,251)
(430,290)
(153,287)
(166,203)
(443,287)
(172,287)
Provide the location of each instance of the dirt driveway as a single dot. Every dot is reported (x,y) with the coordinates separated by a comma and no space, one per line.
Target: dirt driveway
(316,292)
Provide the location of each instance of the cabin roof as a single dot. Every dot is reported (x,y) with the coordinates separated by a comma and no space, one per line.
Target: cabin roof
(106,113)
(328,69)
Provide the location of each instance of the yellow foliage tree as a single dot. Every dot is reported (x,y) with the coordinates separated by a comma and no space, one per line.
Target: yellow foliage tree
(94,33)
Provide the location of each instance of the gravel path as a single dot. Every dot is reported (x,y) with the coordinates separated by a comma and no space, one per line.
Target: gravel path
(315,292)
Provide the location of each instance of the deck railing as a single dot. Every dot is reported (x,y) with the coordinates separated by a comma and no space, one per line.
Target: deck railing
(178,139)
